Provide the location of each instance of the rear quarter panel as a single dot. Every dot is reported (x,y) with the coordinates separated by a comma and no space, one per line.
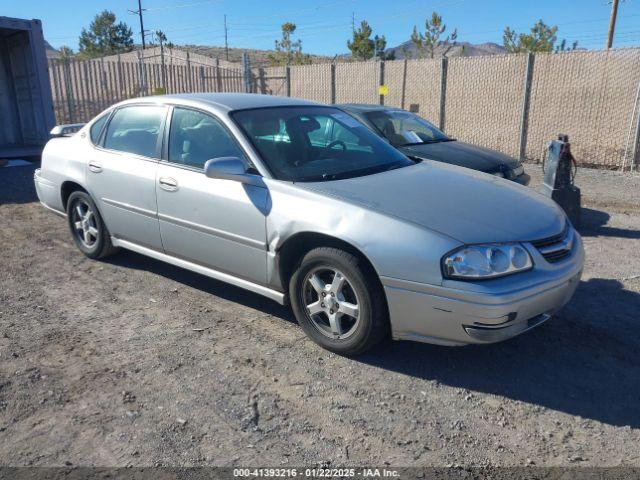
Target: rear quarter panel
(63,159)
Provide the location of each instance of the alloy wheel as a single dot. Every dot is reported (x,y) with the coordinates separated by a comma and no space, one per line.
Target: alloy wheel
(84,223)
(331,302)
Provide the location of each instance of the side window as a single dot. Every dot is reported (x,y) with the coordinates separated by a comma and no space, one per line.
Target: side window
(196,137)
(96,128)
(135,129)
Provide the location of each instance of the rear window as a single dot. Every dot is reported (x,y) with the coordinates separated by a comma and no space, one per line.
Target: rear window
(96,128)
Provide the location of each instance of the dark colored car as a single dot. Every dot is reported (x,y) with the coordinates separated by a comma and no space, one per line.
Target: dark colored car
(417,138)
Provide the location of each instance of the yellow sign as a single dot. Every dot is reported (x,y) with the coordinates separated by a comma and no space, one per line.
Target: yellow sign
(383,90)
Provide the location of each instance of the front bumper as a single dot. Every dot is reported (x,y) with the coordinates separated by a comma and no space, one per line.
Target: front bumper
(460,313)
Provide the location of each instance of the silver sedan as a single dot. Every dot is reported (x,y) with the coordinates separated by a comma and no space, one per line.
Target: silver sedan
(300,202)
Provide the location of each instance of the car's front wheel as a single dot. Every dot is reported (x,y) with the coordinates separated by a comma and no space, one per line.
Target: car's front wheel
(338,302)
(89,232)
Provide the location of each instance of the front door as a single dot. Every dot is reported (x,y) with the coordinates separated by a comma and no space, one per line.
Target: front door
(216,223)
(121,174)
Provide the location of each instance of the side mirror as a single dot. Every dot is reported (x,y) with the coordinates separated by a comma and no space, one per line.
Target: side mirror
(226,168)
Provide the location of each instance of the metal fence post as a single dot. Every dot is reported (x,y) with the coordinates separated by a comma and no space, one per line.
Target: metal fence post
(526,102)
(246,73)
(218,76)
(444,64)
(287,79)
(120,80)
(636,146)
(143,87)
(189,78)
(68,87)
(333,83)
(163,65)
(404,83)
(381,81)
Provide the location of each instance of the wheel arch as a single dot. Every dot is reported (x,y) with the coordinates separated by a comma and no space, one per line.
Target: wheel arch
(295,247)
(67,188)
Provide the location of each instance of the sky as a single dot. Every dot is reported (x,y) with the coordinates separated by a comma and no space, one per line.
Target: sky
(324,26)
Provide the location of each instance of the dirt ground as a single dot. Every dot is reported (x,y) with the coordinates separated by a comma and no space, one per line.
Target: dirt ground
(133,362)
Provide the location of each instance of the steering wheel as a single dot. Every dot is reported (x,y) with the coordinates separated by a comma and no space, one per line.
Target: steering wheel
(335,143)
(324,153)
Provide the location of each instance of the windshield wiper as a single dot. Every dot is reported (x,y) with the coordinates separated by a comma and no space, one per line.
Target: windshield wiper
(425,142)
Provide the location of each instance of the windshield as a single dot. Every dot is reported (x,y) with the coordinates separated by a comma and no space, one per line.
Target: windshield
(403,128)
(308,144)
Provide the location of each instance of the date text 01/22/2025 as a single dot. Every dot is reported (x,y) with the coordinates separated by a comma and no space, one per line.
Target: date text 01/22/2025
(316,472)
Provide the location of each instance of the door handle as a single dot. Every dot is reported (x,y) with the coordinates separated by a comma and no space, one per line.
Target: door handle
(95,167)
(169,184)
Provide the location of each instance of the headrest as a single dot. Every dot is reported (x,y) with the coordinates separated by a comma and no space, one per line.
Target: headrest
(306,124)
(265,126)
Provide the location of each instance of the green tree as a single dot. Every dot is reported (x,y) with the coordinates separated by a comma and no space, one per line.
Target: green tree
(380,44)
(432,36)
(362,46)
(105,36)
(65,53)
(541,39)
(288,51)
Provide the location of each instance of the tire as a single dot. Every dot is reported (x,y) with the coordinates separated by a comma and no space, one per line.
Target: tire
(83,217)
(329,282)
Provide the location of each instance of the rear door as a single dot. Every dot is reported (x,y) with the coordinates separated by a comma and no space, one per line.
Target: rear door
(121,174)
(216,223)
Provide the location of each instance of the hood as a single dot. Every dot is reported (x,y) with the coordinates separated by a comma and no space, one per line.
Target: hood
(462,154)
(469,206)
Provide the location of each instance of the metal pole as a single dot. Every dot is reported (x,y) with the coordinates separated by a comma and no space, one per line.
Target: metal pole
(526,102)
(404,83)
(612,22)
(246,74)
(69,89)
(287,77)
(333,83)
(141,23)
(163,66)
(226,40)
(636,146)
(443,90)
(218,76)
(381,82)
(189,79)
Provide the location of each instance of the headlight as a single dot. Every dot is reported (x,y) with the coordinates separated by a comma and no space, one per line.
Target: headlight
(486,261)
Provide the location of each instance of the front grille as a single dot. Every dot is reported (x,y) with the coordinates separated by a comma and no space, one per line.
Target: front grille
(557,247)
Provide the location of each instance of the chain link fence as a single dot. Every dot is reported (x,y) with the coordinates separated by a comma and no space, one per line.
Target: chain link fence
(512,103)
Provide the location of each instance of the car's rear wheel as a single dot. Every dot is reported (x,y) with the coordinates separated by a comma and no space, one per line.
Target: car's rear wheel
(89,232)
(338,302)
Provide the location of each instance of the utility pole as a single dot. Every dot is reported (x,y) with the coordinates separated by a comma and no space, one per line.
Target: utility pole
(612,22)
(226,39)
(139,13)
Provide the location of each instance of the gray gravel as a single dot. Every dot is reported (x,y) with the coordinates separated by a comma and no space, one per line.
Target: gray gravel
(133,362)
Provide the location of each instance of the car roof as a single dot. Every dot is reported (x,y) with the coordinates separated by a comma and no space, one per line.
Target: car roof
(225,101)
(364,107)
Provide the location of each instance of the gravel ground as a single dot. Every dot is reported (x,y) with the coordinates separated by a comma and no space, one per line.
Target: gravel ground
(133,362)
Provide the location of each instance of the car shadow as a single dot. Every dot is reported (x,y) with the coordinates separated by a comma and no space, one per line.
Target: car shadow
(133,260)
(594,224)
(585,361)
